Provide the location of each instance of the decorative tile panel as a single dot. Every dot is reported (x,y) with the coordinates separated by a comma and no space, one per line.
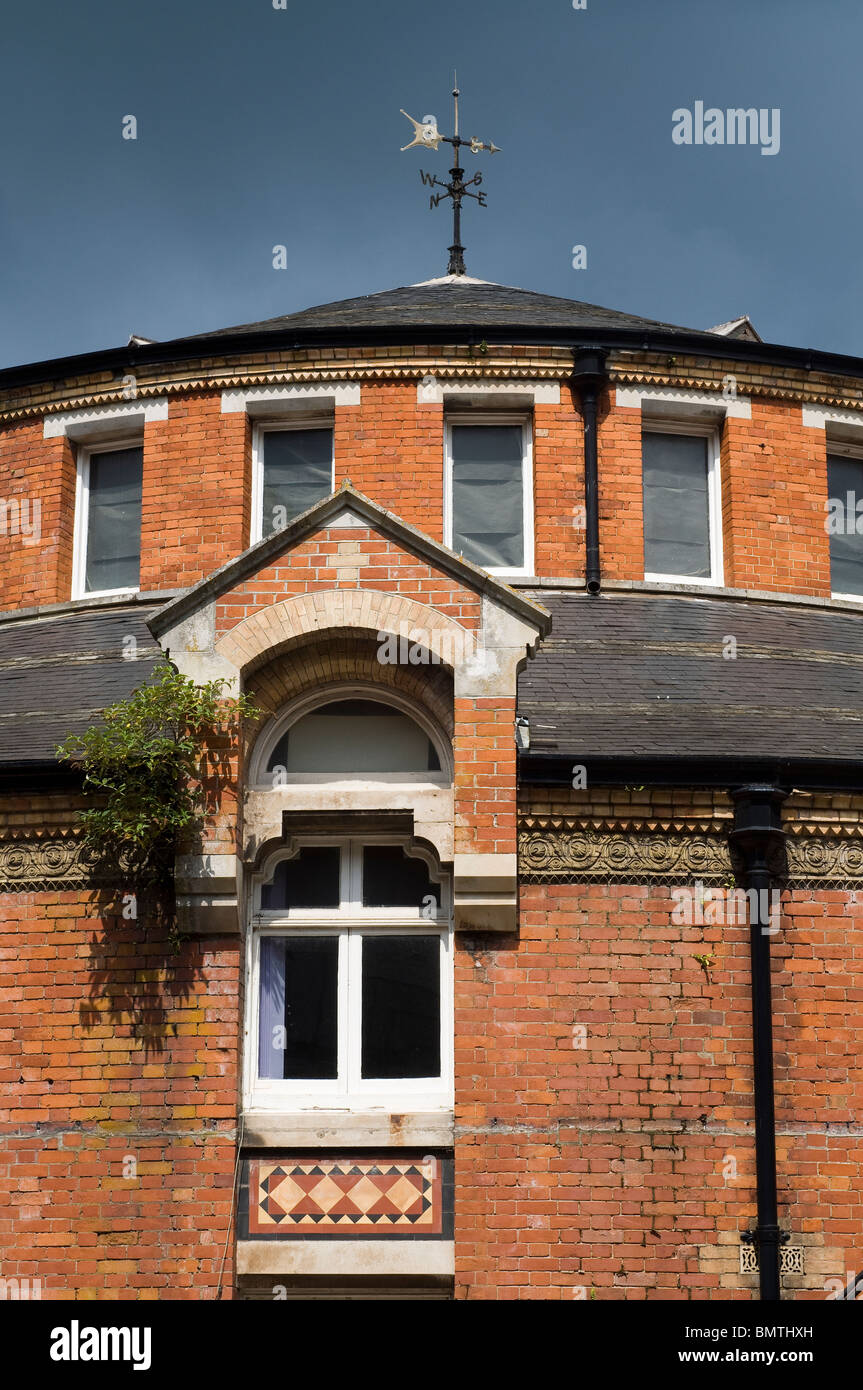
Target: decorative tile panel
(333,1197)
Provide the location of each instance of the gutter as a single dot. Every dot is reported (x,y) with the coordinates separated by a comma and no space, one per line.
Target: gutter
(539,769)
(130,359)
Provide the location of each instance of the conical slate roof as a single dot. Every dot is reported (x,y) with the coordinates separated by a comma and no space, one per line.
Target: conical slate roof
(450,301)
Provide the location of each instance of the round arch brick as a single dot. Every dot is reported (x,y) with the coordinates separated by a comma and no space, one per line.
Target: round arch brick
(260,636)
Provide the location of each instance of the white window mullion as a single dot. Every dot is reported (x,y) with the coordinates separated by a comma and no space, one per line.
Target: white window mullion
(351,1019)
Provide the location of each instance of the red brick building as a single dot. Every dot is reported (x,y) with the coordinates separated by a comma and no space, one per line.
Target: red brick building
(559,643)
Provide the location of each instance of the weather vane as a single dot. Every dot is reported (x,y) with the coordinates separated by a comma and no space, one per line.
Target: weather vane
(427,135)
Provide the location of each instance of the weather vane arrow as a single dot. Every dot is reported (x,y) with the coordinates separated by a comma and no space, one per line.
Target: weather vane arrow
(427,136)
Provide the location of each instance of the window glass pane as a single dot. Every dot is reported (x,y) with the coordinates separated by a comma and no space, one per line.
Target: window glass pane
(401,1006)
(488,494)
(298,472)
(311,879)
(350,736)
(298,1033)
(845,487)
(392,878)
(114,520)
(676,505)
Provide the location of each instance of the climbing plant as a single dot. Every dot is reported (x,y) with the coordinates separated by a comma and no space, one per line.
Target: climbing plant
(153,767)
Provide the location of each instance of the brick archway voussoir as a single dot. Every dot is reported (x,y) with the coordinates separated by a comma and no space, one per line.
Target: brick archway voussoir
(256,636)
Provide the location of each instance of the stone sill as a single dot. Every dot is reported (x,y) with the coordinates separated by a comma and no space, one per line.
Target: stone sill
(318,1255)
(431,1129)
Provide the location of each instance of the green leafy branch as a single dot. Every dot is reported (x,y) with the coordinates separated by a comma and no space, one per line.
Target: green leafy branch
(154,764)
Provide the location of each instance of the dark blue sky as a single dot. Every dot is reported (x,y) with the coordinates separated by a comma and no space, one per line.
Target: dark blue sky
(259,127)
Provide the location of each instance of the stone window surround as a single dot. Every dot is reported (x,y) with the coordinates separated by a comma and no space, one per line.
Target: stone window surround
(666,402)
(487,392)
(126,418)
(270,401)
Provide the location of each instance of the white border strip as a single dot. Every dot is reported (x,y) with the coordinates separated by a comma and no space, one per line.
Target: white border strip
(75,423)
(818,417)
(735,407)
(330,392)
(432,391)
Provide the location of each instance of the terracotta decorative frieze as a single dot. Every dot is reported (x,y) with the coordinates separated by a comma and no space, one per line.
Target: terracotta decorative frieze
(549,848)
(829,861)
(557,848)
(552,847)
(36,861)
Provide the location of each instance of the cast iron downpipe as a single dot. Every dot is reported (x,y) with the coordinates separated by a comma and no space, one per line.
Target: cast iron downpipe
(588,378)
(757,830)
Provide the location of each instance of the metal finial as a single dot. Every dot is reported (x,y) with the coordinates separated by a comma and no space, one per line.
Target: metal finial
(427,134)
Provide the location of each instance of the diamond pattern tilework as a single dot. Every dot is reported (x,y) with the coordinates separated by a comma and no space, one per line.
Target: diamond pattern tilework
(325,1196)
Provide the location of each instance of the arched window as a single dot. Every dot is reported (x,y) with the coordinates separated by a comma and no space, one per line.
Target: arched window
(352,733)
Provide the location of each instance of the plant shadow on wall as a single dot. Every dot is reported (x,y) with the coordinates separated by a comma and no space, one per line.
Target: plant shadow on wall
(155,768)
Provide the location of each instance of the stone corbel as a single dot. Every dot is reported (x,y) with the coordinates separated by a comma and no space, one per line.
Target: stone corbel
(209,894)
(485,892)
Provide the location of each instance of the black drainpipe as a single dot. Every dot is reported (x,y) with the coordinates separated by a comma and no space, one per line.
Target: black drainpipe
(588,377)
(758,831)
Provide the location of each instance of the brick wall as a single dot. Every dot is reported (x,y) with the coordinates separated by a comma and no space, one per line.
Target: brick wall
(119,1102)
(604,1112)
(621,507)
(775,484)
(197,492)
(355,559)
(391,448)
(558,487)
(197,487)
(39,474)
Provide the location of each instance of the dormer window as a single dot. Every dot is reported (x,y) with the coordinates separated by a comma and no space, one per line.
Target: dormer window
(292,470)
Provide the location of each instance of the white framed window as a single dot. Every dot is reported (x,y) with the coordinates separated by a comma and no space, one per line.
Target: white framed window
(349,985)
(293,467)
(488,490)
(107,540)
(682,502)
(844,518)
